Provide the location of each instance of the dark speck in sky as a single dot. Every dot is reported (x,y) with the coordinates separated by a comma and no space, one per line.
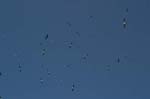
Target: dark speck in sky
(43,51)
(78,34)
(20,68)
(73,87)
(124,23)
(69,24)
(41,80)
(0,73)
(46,37)
(118,60)
(127,10)
(108,67)
(90,16)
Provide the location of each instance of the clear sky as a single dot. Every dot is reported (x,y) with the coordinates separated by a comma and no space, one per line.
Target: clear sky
(74,49)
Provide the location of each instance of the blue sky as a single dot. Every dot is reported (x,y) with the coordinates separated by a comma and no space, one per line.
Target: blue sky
(85,40)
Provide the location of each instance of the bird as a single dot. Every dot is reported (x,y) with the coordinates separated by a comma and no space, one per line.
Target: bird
(0,73)
(20,70)
(85,56)
(41,80)
(90,16)
(48,72)
(127,10)
(69,44)
(46,37)
(108,67)
(118,60)
(124,23)
(78,34)
(43,51)
(69,24)
(68,65)
(73,86)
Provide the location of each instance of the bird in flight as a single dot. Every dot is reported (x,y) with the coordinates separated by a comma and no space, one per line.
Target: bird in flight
(108,67)
(69,24)
(127,10)
(20,70)
(124,23)
(118,60)
(46,37)
(43,51)
(41,80)
(73,86)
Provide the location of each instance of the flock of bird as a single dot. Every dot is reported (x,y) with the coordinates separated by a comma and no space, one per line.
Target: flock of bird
(70,45)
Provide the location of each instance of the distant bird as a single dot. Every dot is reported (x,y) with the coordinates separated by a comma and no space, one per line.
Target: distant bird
(69,44)
(20,68)
(43,51)
(69,24)
(46,37)
(73,87)
(85,56)
(118,60)
(90,16)
(108,67)
(127,10)
(0,73)
(69,65)
(41,80)
(48,72)
(124,23)
(41,43)
(78,34)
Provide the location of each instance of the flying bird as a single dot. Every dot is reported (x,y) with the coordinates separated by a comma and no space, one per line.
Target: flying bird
(20,68)
(118,60)
(46,37)
(48,72)
(124,23)
(69,44)
(127,10)
(69,24)
(73,86)
(43,51)
(90,16)
(85,56)
(41,80)
(108,67)
(78,34)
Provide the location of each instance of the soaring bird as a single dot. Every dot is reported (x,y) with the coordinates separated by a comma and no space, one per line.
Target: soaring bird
(0,73)
(118,60)
(127,10)
(46,37)
(73,86)
(20,68)
(124,23)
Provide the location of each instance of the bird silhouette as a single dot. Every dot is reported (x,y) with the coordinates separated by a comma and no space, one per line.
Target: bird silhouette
(118,60)
(124,23)
(46,37)
(0,73)
(20,68)
(73,86)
